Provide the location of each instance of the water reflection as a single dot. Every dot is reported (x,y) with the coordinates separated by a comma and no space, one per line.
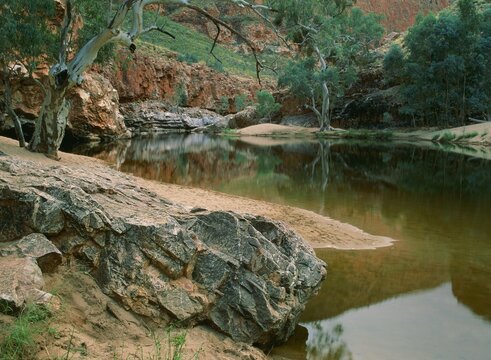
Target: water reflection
(435,202)
(326,343)
(405,328)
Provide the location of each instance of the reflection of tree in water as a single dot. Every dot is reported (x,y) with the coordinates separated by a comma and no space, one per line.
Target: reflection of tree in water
(321,163)
(327,344)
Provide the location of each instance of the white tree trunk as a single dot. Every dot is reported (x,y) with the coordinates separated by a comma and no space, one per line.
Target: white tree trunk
(51,123)
(325,113)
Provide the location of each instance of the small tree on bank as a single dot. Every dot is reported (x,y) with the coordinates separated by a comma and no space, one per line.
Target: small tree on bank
(24,41)
(334,39)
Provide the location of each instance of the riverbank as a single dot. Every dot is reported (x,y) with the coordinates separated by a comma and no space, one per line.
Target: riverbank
(477,134)
(319,231)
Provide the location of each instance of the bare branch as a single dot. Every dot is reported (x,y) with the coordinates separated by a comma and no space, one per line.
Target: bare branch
(218,22)
(478,120)
(215,43)
(159,29)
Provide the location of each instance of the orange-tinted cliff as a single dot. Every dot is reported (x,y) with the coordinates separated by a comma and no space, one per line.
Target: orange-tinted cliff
(401,14)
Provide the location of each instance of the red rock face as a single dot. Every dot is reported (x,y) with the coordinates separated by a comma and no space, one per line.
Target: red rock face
(94,110)
(145,77)
(401,14)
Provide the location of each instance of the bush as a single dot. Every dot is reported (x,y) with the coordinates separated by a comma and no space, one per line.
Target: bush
(394,65)
(180,95)
(266,104)
(215,65)
(223,106)
(241,102)
(187,58)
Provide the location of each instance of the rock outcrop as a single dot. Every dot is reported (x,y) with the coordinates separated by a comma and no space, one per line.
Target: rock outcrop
(245,275)
(95,112)
(21,281)
(95,107)
(35,246)
(156,116)
(22,264)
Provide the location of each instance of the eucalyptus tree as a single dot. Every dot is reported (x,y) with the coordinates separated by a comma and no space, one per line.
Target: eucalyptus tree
(24,41)
(445,67)
(333,38)
(76,50)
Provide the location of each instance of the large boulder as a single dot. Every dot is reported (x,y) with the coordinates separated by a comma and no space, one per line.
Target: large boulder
(94,111)
(247,276)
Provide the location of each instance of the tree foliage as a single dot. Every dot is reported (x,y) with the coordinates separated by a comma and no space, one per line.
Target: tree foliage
(25,40)
(446,67)
(266,104)
(25,31)
(335,40)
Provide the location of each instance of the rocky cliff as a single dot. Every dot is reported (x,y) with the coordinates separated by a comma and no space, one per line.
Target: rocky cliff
(150,74)
(399,15)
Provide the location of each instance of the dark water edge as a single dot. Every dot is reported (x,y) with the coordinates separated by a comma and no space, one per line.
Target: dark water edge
(426,297)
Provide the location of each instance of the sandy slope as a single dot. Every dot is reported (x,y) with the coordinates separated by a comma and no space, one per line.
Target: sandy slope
(482,131)
(274,129)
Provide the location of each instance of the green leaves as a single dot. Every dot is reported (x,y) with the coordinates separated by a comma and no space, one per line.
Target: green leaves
(446,70)
(25,32)
(344,39)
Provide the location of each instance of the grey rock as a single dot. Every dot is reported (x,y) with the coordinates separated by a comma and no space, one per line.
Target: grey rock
(36,246)
(157,117)
(247,276)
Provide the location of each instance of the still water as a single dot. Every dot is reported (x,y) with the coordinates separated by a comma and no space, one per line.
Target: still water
(426,297)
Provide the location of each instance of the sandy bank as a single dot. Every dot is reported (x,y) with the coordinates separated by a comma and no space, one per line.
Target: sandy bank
(319,231)
(276,130)
(476,134)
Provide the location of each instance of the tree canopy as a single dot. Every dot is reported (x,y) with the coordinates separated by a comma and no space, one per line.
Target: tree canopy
(445,68)
(334,39)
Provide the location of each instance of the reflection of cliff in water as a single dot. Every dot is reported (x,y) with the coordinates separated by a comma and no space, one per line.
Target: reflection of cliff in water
(436,203)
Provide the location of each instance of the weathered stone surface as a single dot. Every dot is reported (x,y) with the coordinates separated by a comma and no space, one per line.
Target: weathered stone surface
(37,246)
(152,75)
(94,111)
(244,118)
(21,282)
(247,276)
(155,117)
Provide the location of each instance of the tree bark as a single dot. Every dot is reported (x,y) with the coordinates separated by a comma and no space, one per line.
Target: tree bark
(10,110)
(325,118)
(51,123)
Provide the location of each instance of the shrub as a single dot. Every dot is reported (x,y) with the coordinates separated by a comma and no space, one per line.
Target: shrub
(180,95)
(241,102)
(187,58)
(266,104)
